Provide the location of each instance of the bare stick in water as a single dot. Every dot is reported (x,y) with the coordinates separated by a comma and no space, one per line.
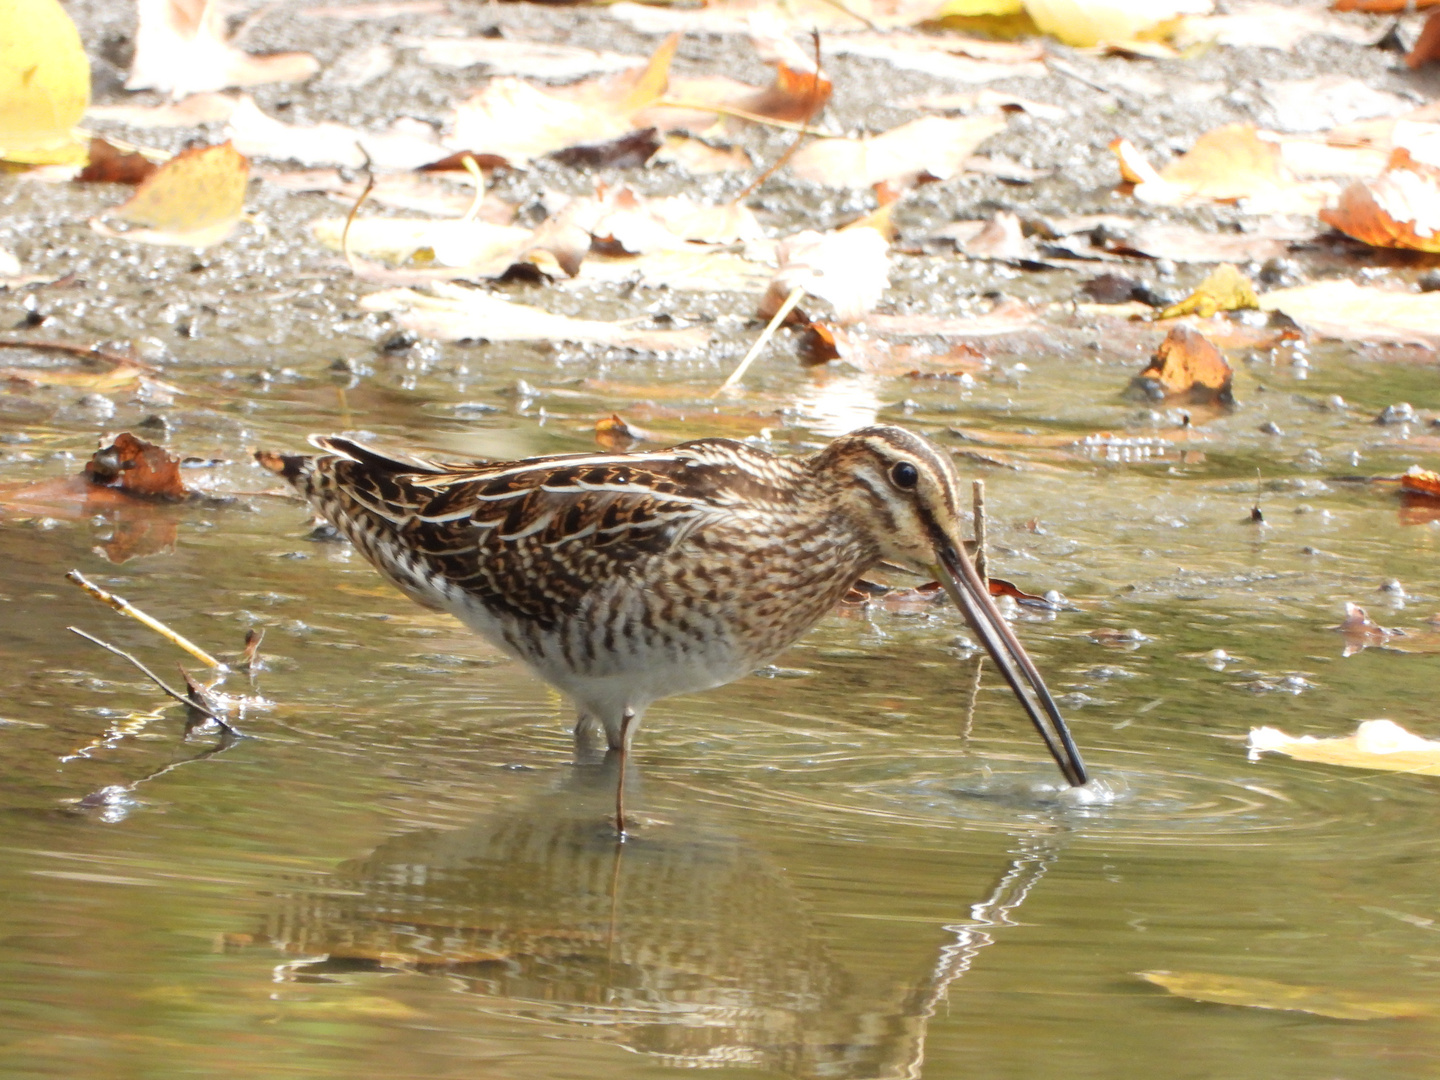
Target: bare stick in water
(126,608)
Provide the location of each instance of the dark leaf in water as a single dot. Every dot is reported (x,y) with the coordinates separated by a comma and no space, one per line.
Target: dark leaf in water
(138,468)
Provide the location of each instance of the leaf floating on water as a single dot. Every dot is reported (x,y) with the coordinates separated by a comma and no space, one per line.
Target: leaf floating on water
(194,200)
(1361,631)
(1187,363)
(44,84)
(1421,481)
(1265,994)
(1377,744)
(137,467)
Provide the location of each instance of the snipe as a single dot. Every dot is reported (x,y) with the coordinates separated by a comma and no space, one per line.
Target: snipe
(621,579)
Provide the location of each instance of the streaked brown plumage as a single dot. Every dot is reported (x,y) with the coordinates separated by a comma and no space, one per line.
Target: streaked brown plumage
(625,578)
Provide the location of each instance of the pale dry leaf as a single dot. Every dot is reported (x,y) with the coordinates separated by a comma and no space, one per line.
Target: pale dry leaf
(932,146)
(408,146)
(471,248)
(197,109)
(1182,243)
(848,268)
(699,158)
(181,48)
(421,194)
(528,59)
(950,57)
(520,122)
(1088,23)
(1327,101)
(454,313)
(1267,26)
(380,9)
(194,200)
(1252,993)
(688,269)
(986,101)
(1346,311)
(1377,744)
(801,16)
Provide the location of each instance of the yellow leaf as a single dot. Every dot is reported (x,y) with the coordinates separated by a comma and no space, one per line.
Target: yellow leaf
(194,200)
(1265,994)
(970,8)
(1226,289)
(1086,23)
(1376,744)
(44,84)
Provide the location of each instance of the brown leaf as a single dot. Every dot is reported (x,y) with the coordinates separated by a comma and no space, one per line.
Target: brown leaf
(138,468)
(1398,209)
(111,166)
(1427,45)
(1421,481)
(1362,632)
(1186,363)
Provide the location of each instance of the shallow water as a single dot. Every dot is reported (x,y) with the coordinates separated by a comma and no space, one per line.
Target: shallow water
(860,865)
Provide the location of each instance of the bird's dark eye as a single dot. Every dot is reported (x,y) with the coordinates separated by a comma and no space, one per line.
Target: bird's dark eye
(904,474)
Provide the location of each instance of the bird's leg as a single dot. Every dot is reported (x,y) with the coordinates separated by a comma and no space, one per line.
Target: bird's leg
(624,750)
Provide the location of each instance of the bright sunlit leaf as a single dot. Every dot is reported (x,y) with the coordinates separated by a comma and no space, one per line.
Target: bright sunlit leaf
(194,200)
(181,48)
(932,147)
(1265,994)
(44,84)
(1376,744)
(1349,312)
(1090,22)
(1226,289)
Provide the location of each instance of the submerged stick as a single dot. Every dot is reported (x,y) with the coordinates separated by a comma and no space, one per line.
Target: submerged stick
(762,340)
(977,495)
(187,701)
(126,608)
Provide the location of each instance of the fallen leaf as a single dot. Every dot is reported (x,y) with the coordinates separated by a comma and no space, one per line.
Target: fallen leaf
(1087,23)
(194,200)
(138,468)
(1421,481)
(1427,45)
(1346,311)
(1227,164)
(1000,238)
(1008,317)
(691,269)
(117,377)
(197,109)
(954,58)
(181,47)
(509,56)
(408,145)
(469,248)
(1267,26)
(849,268)
(1187,363)
(1362,632)
(109,165)
(1226,289)
(1327,101)
(520,122)
(1181,243)
(1398,209)
(932,147)
(1265,994)
(381,9)
(1377,744)
(44,84)
(699,158)
(454,313)
(986,101)
(859,346)
(405,191)
(737,16)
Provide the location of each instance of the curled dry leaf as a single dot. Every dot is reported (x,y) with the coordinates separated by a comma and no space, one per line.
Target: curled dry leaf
(849,268)
(194,200)
(531,59)
(181,47)
(1398,209)
(1421,481)
(109,165)
(1349,312)
(44,84)
(1264,994)
(1226,289)
(1267,26)
(932,147)
(1187,364)
(1376,744)
(454,313)
(138,468)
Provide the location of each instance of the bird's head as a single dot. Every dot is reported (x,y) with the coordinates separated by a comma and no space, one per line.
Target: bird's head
(903,493)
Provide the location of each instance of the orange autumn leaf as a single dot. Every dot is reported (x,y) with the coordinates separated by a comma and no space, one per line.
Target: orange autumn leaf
(1398,209)
(138,468)
(110,165)
(1421,481)
(1187,363)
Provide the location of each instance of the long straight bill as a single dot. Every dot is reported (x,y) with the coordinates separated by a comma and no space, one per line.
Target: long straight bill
(963,583)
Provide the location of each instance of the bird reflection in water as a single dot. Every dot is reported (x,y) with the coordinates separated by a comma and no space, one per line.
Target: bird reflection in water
(688,944)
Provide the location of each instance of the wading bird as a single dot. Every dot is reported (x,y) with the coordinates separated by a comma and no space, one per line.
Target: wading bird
(621,579)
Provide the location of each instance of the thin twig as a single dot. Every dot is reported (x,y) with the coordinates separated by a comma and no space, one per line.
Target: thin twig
(88,352)
(977,495)
(762,340)
(739,114)
(350,217)
(126,608)
(815,103)
(187,702)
